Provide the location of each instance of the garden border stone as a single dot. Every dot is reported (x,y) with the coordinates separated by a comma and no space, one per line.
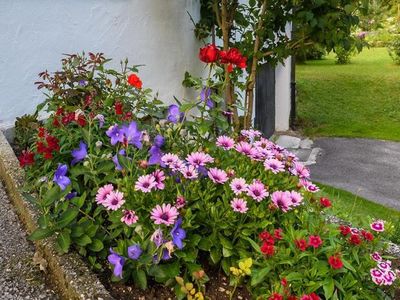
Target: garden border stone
(69,273)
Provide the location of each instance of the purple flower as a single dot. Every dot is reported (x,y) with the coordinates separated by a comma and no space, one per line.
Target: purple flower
(134,252)
(178,234)
(115,134)
(116,161)
(155,155)
(174,115)
(71,195)
(205,95)
(157,237)
(117,261)
(82,82)
(132,135)
(79,153)
(60,178)
(101,120)
(159,141)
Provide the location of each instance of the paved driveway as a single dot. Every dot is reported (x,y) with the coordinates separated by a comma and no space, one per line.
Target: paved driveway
(368,168)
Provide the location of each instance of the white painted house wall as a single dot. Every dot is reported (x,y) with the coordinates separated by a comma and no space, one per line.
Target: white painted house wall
(156,33)
(35,33)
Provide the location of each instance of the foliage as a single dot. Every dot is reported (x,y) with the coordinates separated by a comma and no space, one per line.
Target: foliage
(25,129)
(394,49)
(343,56)
(118,176)
(334,100)
(312,52)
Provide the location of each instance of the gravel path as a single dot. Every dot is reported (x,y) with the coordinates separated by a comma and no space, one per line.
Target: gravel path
(368,168)
(19,277)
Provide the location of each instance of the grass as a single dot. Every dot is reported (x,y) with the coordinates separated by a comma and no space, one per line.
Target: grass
(361,99)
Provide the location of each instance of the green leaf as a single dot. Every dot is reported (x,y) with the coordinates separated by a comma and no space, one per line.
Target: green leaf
(140,279)
(28,197)
(51,196)
(348,265)
(225,242)
(44,221)
(205,244)
(329,287)
(96,246)
(63,241)
(67,217)
(258,275)
(79,201)
(77,231)
(83,240)
(253,244)
(215,255)
(41,233)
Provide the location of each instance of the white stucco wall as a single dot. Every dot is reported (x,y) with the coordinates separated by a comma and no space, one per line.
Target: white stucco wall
(282,95)
(34,34)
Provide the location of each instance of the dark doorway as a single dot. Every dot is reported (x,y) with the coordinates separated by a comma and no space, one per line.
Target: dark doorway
(265,100)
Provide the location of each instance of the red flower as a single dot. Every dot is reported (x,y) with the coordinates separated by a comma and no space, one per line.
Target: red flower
(81,121)
(52,143)
(301,244)
(314,241)
(325,202)
(312,296)
(128,116)
(230,68)
(355,239)
(135,81)
(59,111)
(26,158)
(88,100)
(367,235)
(335,262)
(267,249)
(242,64)
(278,233)
(56,122)
(68,118)
(234,56)
(48,155)
(118,108)
(345,230)
(42,132)
(41,148)
(276,296)
(223,57)
(209,53)
(267,237)
(292,297)
(284,281)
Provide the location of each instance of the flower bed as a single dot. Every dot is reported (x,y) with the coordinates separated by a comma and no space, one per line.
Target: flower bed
(155,196)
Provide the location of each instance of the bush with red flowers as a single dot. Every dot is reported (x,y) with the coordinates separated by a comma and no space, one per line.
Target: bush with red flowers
(141,189)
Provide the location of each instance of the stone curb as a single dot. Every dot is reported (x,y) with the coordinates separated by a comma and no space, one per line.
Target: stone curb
(69,273)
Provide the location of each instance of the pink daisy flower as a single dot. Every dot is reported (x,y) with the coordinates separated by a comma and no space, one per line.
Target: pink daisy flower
(180,202)
(159,178)
(239,205)
(250,133)
(257,191)
(103,192)
(217,175)
(376,256)
(258,155)
(378,226)
(300,170)
(145,183)
(225,142)
(129,217)
(282,200)
(189,172)
(264,143)
(170,159)
(308,185)
(295,198)
(238,185)
(198,159)
(114,200)
(274,165)
(245,148)
(165,214)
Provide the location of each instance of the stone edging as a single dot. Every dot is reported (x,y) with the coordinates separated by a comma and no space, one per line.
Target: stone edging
(68,272)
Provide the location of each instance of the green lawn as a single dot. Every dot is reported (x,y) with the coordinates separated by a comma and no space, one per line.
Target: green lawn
(361,99)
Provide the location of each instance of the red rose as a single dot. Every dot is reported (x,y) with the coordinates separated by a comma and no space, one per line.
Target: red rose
(278,233)
(301,244)
(234,56)
(325,202)
(345,230)
(367,235)
(26,158)
(209,54)
(267,249)
(314,241)
(135,81)
(230,68)
(242,64)
(223,57)
(335,262)
(118,108)
(275,296)
(355,239)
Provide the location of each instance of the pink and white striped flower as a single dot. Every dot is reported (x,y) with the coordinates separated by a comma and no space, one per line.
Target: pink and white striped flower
(198,159)
(274,165)
(103,192)
(225,142)
(145,183)
(385,265)
(129,217)
(378,226)
(239,205)
(164,214)
(217,175)
(189,172)
(114,200)
(376,257)
(257,190)
(238,185)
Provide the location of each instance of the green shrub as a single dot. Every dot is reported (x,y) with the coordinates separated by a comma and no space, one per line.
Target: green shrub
(394,49)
